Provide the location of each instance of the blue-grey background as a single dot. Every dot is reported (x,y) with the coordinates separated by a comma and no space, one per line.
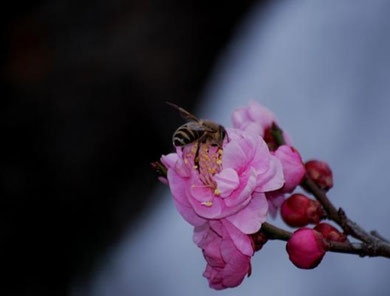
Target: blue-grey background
(323,67)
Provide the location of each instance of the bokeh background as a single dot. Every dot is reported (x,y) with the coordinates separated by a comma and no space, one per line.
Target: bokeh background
(83,114)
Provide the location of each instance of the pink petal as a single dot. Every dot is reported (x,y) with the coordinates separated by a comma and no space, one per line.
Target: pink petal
(273,178)
(202,235)
(178,190)
(275,200)
(241,241)
(293,168)
(227,181)
(212,253)
(262,156)
(234,156)
(243,192)
(260,114)
(214,276)
(217,226)
(239,152)
(239,117)
(169,160)
(254,128)
(199,191)
(163,180)
(207,209)
(237,265)
(250,218)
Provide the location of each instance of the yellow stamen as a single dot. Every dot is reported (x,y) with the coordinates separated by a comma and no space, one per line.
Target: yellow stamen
(217,192)
(219,162)
(207,203)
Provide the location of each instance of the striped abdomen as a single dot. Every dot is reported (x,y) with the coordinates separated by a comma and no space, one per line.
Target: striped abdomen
(187,134)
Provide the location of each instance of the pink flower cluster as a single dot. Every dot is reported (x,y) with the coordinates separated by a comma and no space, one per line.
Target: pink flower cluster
(228,191)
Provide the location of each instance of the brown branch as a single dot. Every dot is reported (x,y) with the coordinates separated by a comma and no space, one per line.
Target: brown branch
(339,216)
(377,249)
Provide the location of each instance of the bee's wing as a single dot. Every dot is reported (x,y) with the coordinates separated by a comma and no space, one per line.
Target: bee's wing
(184,113)
(198,127)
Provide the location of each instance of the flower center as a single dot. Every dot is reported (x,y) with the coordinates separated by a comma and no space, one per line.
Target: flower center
(207,160)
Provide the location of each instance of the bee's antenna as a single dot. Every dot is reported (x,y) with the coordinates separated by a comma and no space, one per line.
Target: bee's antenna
(173,105)
(184,113)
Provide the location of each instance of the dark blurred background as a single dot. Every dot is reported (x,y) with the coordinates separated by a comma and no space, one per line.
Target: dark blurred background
(82,117)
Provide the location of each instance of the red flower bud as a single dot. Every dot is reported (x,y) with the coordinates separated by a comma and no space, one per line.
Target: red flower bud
(299,210)
(320,173)
(306,248)
(330,233)
(258,240)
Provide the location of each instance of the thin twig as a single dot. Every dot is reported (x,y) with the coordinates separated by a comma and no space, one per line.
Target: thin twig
(378,235)
(339,216)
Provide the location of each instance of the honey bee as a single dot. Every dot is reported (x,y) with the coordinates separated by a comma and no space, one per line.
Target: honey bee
(198,131)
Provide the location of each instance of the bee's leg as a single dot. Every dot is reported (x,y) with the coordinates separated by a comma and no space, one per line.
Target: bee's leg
(196,157)
(200,141)
(224,135)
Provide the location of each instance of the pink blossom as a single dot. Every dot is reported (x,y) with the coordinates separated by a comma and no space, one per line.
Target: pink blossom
(293,172)
(259,120)
(226,264)
(254,118)
(228,183)
(293,168)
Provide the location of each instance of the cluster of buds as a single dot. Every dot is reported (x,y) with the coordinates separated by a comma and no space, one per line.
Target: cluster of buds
(307,246)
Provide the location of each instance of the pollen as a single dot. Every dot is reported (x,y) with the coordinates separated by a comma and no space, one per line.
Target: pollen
(217,191)
(207,203)
(195,166)
(220,151)
(219,162)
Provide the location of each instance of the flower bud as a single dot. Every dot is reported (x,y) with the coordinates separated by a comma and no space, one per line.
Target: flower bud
(320,173)
(306,248)
(330,233)
(273,136)
(259,239)
(161,171)
(299,210)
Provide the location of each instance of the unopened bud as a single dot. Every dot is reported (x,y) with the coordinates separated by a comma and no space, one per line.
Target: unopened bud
(320,173)
(161,171)
(299,210)
(273,136)
(306,248)
(258,240)
(330,233)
